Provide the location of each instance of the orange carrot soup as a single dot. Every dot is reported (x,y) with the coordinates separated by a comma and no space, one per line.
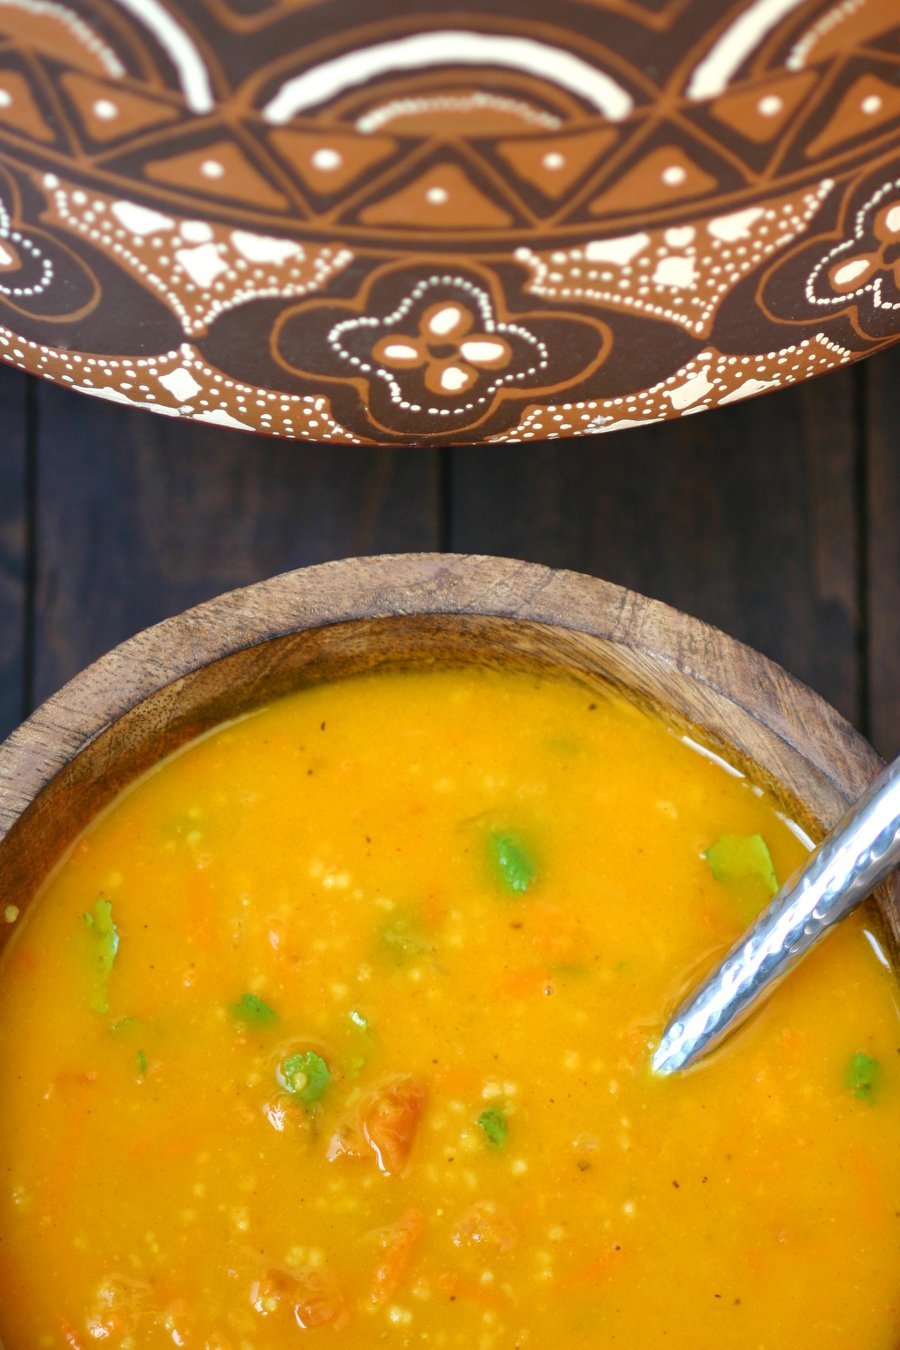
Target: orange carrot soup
(339,1023)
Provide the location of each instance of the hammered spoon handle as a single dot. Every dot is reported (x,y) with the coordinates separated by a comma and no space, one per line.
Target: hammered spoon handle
(846,867)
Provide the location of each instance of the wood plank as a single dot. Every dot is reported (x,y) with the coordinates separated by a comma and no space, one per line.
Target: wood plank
(882,559)
(13,546)
(142,516)
(745,517)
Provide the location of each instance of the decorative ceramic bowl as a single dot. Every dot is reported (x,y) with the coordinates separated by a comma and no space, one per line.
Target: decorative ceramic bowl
(176,680)
(414,223)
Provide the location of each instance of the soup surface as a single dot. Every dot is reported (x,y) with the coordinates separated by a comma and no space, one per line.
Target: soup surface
(339,1023)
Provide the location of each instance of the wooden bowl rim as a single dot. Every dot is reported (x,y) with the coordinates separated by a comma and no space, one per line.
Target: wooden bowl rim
(737,700)
(408,584)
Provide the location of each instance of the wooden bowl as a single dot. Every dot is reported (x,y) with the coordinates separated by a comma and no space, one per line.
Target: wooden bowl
(413,223)
(173,681)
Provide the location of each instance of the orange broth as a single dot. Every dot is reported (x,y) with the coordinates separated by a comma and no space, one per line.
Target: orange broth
(339,1022)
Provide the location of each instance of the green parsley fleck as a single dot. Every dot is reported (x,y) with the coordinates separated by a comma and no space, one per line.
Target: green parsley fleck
(358,1020)
(106,944)
(512,863)
(495,1125)
(305,1076)
(863,1073)
(142,1063)
(252,1009)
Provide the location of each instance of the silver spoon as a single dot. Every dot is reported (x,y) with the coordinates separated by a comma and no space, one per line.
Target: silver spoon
(846,867)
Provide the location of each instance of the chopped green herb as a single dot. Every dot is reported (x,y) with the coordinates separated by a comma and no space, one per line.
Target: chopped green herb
(106,945)
(743,862)
(404,937)
(512,862)
(142,1063)
(733,857)
(495,1125)
(252,1009)
(358,1020)
(862,1075)
(305,1076)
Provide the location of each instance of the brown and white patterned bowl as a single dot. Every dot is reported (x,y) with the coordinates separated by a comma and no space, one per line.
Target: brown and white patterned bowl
(417,223)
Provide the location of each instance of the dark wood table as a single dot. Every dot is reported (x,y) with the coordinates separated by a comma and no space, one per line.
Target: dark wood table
(776,519)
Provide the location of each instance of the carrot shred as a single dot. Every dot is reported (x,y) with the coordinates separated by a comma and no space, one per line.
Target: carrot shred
(523,983)
(454,1286)
(398,1243)
(555,933)
(594,1271)
(869,1192)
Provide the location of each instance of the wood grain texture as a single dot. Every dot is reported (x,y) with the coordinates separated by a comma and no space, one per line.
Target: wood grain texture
(754,518)
(745,517)
(170,682)
(882,555)
(14,544)
(142,516)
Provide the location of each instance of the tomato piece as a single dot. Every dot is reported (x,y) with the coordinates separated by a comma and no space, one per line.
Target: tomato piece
(385,1123)
(117,1309)
(311,1297)
(283,1113)
(269,1293)
(391,1121)
(176,1322)
(398,1242)
(318,1301)
(486,1225)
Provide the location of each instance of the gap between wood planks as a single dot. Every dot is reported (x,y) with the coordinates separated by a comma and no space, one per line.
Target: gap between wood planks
(775,520)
